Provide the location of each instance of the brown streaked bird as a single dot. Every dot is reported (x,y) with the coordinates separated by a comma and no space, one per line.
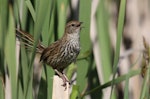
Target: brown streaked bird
(62,52)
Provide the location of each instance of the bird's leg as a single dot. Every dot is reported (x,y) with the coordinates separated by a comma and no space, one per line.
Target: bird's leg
(63,77)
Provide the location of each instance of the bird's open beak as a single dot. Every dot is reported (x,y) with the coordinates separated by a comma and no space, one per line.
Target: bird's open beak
(81,23)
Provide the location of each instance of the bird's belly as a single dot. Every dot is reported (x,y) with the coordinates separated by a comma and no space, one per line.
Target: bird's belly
(67,58)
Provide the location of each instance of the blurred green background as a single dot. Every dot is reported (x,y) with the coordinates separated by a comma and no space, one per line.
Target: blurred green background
(109,48)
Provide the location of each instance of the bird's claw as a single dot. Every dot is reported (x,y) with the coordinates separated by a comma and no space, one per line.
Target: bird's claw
(65,82)
(64,78)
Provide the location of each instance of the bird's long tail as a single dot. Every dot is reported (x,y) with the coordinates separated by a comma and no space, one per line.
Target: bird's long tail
(28,41)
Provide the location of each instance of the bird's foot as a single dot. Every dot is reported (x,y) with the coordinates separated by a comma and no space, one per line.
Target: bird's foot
(65,81)
(64,78)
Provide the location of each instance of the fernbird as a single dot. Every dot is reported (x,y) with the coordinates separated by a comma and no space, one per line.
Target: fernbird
(62,52)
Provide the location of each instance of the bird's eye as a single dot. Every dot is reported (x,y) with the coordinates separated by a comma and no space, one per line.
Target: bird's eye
(73,25)
(78,25)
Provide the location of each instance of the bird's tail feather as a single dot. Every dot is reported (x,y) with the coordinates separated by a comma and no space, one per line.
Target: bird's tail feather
(28,41)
